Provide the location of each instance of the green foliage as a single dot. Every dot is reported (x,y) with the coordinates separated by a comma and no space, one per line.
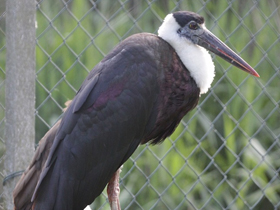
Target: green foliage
(224,154)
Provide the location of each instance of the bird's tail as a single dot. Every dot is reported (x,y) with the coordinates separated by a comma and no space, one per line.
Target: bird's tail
(25,187)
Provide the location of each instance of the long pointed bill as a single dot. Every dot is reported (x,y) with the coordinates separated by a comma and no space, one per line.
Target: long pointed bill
(212,43)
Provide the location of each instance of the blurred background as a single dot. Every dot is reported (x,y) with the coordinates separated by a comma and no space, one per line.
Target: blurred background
(225,154)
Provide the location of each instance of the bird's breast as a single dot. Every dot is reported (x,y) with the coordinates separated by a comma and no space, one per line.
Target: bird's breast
(179,94)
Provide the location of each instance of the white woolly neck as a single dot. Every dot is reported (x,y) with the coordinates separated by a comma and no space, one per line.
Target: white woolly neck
(195,58)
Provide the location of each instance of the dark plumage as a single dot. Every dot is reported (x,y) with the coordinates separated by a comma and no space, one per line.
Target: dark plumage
(113,112)
(184,17)
(28,181)
(137,94)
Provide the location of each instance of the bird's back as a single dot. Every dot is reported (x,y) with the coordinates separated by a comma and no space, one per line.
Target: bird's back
(133,95)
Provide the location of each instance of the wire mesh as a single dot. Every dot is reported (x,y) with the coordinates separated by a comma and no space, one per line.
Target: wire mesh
(225,153)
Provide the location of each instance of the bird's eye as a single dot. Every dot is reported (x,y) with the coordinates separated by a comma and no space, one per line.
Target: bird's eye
(193,25)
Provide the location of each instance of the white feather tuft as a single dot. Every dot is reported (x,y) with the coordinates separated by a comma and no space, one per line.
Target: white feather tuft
(195,58)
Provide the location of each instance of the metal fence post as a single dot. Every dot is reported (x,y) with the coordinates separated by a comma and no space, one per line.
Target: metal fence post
(20,90)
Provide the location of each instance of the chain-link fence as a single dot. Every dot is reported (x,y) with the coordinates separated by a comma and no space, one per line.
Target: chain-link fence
(225,154)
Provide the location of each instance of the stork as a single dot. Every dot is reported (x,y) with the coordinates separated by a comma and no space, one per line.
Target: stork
(137,94)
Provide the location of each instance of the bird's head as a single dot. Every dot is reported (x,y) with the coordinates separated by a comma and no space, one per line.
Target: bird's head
(186,32)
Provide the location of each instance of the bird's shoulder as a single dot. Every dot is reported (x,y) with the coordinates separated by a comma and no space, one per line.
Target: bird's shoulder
(112,107)
(135,59)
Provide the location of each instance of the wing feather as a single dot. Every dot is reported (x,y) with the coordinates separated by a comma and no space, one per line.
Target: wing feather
(101,128)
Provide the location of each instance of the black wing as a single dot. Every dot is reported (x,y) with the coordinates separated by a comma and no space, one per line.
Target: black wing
(25,187)
(102,127)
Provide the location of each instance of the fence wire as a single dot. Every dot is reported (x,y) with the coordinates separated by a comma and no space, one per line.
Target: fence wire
(225,154)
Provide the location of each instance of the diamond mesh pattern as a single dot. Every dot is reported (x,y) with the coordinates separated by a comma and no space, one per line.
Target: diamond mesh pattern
(225,153)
